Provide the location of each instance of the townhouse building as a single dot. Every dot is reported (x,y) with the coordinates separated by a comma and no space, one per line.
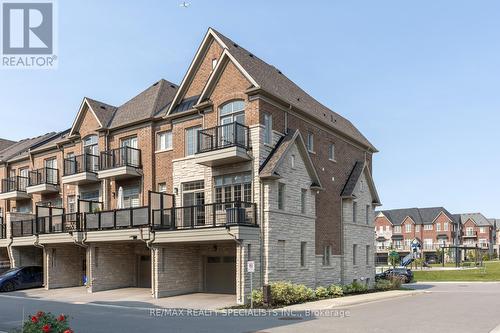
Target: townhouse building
(478,231)
(432,228)
(178,188)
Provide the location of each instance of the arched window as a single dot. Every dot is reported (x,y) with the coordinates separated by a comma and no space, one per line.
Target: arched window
(90,145)
(231,112)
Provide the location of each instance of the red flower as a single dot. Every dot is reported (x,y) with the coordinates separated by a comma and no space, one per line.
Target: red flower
(61,317)
(34,319)
(40,314)
(46,328)
(69,330)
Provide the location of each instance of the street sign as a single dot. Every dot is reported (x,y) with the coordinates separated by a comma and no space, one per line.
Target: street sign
(251,266)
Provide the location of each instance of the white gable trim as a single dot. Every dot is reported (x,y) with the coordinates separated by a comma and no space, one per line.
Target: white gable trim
(443,213)
(371,184)
(217,72)
(202,49)
(79,116)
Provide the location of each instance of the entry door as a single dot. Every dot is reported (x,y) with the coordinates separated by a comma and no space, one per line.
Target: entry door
(220,274)
(194,210)
(144,272)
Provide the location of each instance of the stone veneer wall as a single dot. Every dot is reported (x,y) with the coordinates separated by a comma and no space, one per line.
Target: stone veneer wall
(177,269)
(290,225)
(112,266)
(63,266)
(359,233)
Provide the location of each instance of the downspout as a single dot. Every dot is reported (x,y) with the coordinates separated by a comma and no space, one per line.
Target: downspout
(342,241)
(239,243)
(37,244)
(262,235)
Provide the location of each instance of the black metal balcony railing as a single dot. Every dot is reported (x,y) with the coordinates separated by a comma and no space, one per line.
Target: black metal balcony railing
(17,183)
(116,219)
(120,157)
(44,176)
(208,215)
(81,163)
(58,223)
(223,136)
(24,228)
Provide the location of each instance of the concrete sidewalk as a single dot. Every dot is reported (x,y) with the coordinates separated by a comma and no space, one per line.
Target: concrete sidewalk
(354,300)
(137,298)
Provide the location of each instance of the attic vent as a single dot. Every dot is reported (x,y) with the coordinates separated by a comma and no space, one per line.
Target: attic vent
(235,45)
(298,99)
(279,71)
(155,84)
(251,55)
(103,107)
(172,86)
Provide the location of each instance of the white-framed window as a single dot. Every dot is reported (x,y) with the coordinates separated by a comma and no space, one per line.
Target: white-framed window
(164,140)
(397,229)
(310,142)
(417,228)
(354,211)
(268,128)
(192,140)
(281,196)
(381,228)
(331,152)
(408,227)
(71,204)
(233,188)
(445,226)
(482,230)
(214,62)
(90,145)
(438,226)
(292,161)
(469,231)
(327,252)
(162,187)
(303,197)
(397,244)
(233,111)
(427,227)
(407,243)
(367,255)
(354,254)
(303,251)
(367,214)
(427,243)
(131,197)
(387,228)
(281,254)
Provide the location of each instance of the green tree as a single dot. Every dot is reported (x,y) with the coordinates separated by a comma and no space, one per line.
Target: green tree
(394,258)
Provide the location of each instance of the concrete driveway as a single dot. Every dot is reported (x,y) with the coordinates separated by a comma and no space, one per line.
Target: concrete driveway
(127,297)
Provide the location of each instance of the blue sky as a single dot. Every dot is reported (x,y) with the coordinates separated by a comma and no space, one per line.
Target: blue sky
(420,79)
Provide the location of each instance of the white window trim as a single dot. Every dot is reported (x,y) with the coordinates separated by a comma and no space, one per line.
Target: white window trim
(167,149)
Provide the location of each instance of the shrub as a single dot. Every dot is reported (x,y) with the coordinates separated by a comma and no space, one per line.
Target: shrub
(396,281)
(354,288)
(258,297)
(383,285)
(46,322)
(466,264)
(286,293)
(335,291)
(321,292)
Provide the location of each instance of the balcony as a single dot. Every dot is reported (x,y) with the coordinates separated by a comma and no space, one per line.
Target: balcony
(42,181)
(81,169)
(126,218)
(23,228)
(14,188)
(470,234)
(120,163)
(3,229)
(205,216)
(224,144)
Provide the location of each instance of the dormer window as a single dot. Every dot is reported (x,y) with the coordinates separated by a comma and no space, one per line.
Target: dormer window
(214,62)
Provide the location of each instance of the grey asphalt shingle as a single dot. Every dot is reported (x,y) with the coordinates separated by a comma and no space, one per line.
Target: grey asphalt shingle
(22,147)
(274,82)
(150,103)
(103,111)
(4,144)
(478,218)
(418,215)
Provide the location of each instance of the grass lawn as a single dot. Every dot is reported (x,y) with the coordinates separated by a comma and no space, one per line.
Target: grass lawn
(491,272)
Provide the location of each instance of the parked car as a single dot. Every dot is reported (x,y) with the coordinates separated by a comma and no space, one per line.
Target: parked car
(402,272)
(21,278)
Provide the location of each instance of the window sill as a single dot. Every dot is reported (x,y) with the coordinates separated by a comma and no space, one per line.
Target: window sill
(311,152)
(163,150)
(334,160)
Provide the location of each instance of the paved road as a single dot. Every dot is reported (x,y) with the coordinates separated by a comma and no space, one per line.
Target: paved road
(447,307)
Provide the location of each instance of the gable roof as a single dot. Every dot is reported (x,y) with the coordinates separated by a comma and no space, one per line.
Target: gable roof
(477,218)
(4,144)
(148,104)
(270,166)
(418,215)
(359,169)
(22,147)
(272,81)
